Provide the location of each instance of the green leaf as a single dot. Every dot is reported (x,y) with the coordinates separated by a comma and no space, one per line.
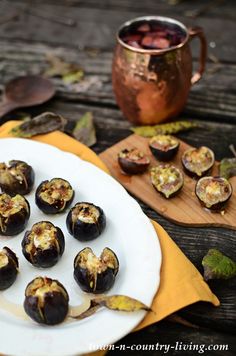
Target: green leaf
(84,130)
(44,123)
(228,167)
(218,266)
(164,129)
(73,77)
(70,73)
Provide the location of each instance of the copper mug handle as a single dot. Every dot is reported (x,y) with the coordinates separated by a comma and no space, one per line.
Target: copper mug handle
(198,32)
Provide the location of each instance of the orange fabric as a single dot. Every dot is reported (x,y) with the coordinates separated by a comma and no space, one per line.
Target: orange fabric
(181,284)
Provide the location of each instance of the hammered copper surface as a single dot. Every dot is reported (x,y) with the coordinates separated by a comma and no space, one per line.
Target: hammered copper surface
(151,86)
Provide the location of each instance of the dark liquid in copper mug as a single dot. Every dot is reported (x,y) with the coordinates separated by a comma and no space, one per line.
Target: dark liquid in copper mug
(152,35)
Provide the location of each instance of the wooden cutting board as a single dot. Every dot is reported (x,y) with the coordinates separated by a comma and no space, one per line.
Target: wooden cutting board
(183,209)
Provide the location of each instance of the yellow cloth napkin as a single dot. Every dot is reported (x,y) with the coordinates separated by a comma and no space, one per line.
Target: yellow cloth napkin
(181,284)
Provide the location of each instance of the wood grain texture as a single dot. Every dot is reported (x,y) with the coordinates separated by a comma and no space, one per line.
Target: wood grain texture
(213,98)
(184,208)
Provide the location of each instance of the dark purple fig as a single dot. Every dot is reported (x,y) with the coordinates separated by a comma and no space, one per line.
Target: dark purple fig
(95,274)
(198,162)
(213,192)
(43,245)
(85,221)
(14,214)
(164,147)
(133,161)
(8,268)
(46,301)
(17,177)
(167,179)
(54,196)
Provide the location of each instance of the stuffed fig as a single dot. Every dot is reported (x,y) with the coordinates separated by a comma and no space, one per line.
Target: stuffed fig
(85,221)
(95,274)
(9,268)
(14,214)
(16,177)
(43,245)
(213,192)
(164,147)
(198,162)
(133,161)
(46,301)
(54,196)
(167,179)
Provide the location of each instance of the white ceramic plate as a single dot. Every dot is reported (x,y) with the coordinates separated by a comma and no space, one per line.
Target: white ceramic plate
(128,232)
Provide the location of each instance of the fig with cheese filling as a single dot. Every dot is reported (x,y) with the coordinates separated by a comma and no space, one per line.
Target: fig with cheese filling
(9,268)
(54,196)
(95,274)
(46,301)
(167,179)
(14,214)
(85,221)
(198,162)
(43,245)
(133,161)
(16,177)
(164,147)
(213,192)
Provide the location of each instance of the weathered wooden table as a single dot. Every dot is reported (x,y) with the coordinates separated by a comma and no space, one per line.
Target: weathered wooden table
(31,29)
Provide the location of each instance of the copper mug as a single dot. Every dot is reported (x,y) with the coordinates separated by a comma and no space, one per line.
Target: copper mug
(152,85)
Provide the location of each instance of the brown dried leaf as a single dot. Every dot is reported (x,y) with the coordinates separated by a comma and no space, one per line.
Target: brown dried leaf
(44,123)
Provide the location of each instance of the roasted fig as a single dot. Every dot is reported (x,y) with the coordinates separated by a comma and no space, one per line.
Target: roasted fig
(46,301)
(167,179)
(95,274)
(164,147)
(198,162)
(213,192)
(54,196)
(16,177)
(8,268)
(43,245)
(14,214)
(133,161)
(85,221)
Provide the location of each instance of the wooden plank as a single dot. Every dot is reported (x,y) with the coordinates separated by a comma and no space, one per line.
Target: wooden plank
(96,27)
(184,208)
(167,333)
(213,98)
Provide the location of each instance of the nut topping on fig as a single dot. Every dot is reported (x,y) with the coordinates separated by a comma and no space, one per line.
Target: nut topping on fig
(95,274)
